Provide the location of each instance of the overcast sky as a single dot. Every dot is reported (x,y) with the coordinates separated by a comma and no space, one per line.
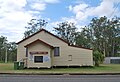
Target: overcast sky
(14,14)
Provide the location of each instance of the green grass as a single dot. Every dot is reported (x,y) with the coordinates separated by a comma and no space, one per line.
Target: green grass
(6,67)
(110,68)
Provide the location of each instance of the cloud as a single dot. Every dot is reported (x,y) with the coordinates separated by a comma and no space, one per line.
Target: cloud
(105,8)
(82,11)
(13,18)
(14,15)
(8,6)
(51,1)
(71,19)
(77,8)
(38,6)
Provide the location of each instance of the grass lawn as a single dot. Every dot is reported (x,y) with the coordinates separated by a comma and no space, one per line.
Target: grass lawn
(6,66)
(110,68)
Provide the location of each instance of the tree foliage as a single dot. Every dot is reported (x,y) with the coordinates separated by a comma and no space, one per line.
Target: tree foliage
(66,31)
(9,47)
(12,51)
(103,34)
(33,26)
(84,38)
(98,57)
(3,42)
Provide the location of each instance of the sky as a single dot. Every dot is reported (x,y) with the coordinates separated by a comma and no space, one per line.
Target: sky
(15,14)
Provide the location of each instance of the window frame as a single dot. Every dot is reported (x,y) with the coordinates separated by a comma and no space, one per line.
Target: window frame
(69,57)
(26,52)
(56,53)
(36,61)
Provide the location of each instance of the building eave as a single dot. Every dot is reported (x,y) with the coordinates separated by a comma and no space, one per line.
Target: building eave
(38,40)
(80,47)
(39,32)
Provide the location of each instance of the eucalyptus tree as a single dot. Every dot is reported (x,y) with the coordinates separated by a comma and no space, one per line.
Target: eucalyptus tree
(67,31)
(8,50)
(3,46)
(12,51)
(103,34)
(33,26)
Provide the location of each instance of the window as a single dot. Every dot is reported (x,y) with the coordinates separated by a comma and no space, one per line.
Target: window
(26,52)
(115,61)
(38,59)
(56,51)
(70,57)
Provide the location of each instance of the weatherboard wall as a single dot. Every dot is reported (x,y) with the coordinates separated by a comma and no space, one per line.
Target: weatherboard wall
(41,48)
(80,56)
(44,36)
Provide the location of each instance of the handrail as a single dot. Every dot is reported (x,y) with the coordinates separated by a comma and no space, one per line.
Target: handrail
(22,60)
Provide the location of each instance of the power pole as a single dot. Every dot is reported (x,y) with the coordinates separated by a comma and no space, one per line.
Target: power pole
(6,53)
(104,50)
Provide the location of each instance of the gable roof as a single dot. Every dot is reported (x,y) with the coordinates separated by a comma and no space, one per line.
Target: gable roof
(49,44)
(38,40)
(39,32)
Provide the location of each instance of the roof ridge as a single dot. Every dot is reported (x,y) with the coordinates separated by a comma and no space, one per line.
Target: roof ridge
(39,32)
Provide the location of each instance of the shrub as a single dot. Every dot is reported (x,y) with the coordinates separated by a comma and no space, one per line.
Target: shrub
(98,57)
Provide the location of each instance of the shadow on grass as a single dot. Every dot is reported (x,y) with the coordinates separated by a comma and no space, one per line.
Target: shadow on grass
(63,68)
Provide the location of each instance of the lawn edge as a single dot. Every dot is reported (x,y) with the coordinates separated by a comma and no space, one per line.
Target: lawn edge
(60,73)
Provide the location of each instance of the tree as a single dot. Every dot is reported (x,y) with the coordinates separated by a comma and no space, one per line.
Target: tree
(8,50)
(84,38)
(3,44)
(98,57)
(33,26)
(110,29)
(66,31)
(12,51)
(102,34)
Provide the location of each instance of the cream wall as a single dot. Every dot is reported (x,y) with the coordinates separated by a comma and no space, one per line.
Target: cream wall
(41,48)
(44,36)
(80,56)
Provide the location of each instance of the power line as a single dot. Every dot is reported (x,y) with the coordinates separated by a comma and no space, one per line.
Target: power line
(114,10)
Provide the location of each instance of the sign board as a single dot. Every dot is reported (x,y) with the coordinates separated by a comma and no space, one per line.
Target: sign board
(46,58)
(38,52)
(31,57)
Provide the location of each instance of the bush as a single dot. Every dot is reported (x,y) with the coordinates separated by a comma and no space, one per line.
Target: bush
(98,57)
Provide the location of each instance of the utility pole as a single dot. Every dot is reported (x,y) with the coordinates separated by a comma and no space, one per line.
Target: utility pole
(104,50)
(6,54)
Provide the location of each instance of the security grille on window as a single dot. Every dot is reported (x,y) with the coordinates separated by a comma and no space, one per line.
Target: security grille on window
(38,59)
(56,51)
